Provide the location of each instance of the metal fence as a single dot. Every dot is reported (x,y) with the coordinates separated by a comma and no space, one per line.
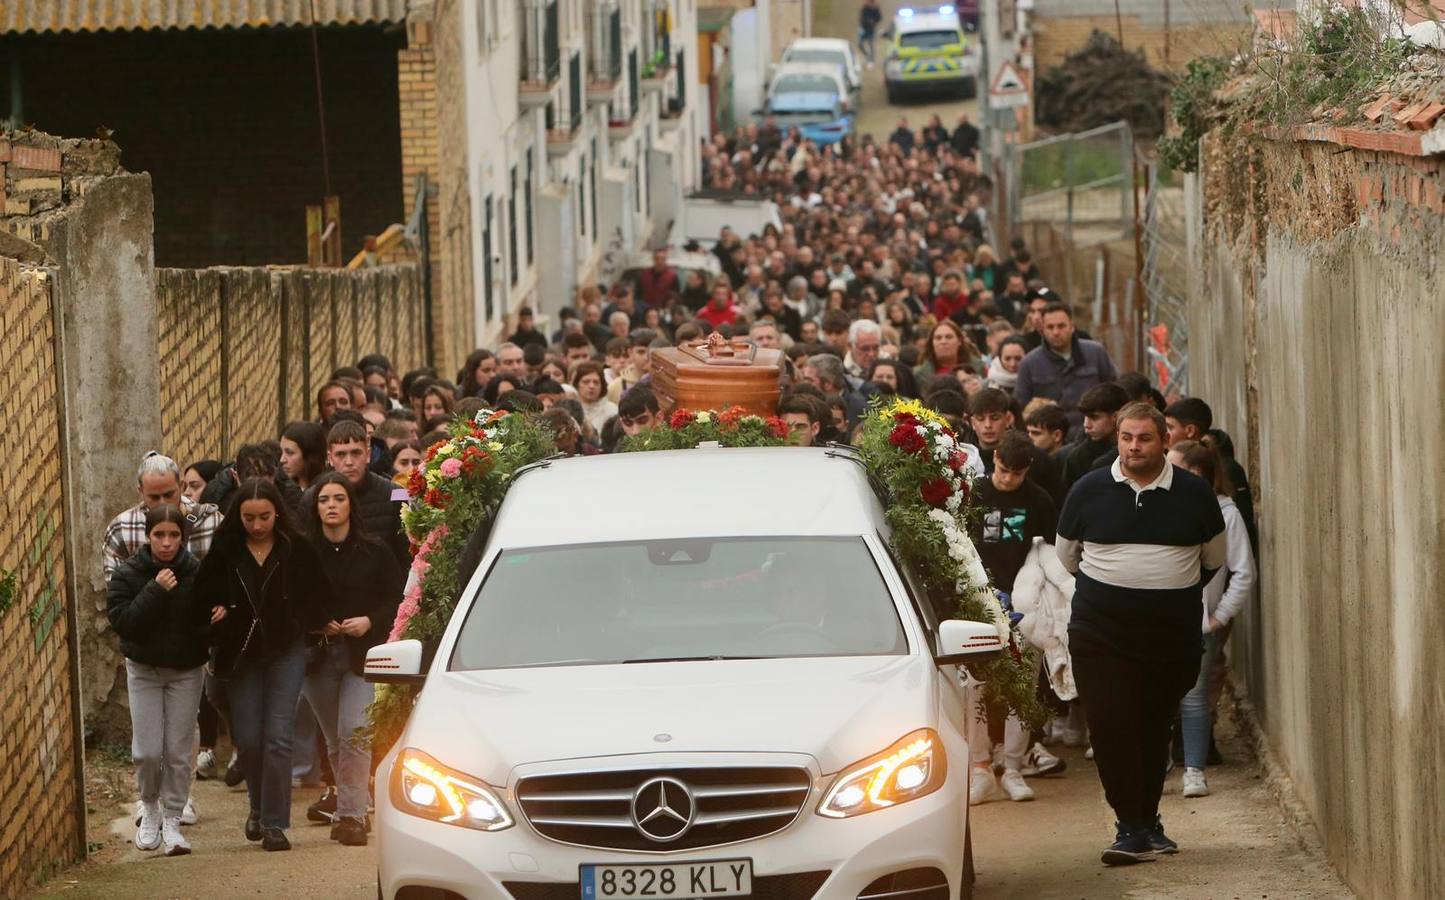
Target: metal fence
(1070,197)
(1165,271)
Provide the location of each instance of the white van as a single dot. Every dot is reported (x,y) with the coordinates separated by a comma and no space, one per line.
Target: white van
(708,691)
(832,51)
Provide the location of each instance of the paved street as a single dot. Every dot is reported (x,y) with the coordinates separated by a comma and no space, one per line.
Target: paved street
(839,18)
(1236,844)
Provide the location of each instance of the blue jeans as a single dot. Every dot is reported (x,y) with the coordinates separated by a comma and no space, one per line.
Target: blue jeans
(305,767)
(263,696)
(1196,719)
(340,698)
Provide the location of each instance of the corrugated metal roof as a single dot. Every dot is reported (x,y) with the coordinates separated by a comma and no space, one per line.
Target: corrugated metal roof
(18,16)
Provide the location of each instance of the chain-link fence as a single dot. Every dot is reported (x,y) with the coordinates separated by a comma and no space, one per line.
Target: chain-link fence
(1070,198)
(1165,271)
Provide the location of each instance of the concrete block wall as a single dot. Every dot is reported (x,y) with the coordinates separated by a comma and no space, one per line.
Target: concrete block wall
(244,350)
(41,807)
(1315,312)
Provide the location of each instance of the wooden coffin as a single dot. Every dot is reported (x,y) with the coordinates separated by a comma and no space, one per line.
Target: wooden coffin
(716,374)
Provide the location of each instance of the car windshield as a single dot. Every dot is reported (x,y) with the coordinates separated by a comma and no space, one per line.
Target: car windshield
(928,40)
(833,57)
(671,600)
(800,83)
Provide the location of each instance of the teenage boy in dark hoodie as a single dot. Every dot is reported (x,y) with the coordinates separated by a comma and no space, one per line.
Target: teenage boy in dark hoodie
(1099,405)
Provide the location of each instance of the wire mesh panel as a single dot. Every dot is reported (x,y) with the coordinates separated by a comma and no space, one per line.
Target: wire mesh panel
(1165,274)
(1079,182)
(1071,199)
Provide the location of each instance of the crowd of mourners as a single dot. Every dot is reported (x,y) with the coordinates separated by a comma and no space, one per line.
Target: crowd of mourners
(248,590)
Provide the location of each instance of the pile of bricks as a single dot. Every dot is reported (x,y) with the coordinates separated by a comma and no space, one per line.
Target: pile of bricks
(41,174)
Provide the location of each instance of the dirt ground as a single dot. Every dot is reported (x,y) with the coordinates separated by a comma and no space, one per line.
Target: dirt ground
(1235,844)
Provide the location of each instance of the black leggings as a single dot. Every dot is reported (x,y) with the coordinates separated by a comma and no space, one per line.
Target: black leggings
(1130,705)
(210,722)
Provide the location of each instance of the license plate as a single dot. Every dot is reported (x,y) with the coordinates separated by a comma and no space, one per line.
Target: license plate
(681,881)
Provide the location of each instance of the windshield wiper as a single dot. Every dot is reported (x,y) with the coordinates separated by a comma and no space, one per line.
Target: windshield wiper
(658,659)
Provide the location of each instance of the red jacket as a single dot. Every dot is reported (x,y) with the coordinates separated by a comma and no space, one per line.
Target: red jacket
(715,317)
(945,305)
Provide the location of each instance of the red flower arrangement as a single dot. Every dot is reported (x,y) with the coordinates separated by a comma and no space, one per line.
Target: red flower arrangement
(906,438)
(416,484)
(936,492)
(777,427)
(681,418)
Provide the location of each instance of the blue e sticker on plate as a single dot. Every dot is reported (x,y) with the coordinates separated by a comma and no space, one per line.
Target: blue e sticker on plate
(589,883)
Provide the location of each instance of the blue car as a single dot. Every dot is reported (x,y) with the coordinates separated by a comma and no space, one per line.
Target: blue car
(820,116)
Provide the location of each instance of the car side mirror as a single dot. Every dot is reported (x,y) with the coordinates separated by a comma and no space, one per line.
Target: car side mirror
(961,641)
(399,662)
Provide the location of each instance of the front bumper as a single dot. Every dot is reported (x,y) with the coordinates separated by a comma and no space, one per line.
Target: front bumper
(520,863)
(949,82)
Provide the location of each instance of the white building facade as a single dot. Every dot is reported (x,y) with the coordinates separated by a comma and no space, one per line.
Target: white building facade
(582,123)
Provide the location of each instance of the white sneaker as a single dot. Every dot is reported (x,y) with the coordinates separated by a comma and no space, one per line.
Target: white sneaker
(148,831)
(1089,753)
(1014,785)
(206,765)
(1194,783)
(176,843)
(188,815)
(981,786)
(1041,762)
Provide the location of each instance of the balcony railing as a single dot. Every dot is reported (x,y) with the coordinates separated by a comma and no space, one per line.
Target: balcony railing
(604,35)
(541,43)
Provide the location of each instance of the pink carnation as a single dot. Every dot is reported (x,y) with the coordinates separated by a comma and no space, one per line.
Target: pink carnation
(411,599)
(451,468)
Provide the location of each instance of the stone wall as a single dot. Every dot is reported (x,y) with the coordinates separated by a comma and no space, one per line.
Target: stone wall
(1316,306)
(41,807)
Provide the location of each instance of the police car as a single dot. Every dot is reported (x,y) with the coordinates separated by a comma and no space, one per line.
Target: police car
(931,54)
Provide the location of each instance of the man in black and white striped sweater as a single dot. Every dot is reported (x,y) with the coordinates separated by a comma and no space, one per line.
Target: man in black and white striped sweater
(1142,538)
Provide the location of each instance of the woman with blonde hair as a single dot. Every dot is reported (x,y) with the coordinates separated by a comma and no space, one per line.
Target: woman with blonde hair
(986,268)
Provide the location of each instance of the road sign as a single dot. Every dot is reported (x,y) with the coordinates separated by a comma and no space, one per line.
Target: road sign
(1008,89)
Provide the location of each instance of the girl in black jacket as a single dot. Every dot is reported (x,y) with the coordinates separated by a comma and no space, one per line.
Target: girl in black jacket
(266,589)
(162,634)
(367,585)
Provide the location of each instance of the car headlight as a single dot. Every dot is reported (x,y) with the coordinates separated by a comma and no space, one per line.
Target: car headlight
(427,789)
(915,766)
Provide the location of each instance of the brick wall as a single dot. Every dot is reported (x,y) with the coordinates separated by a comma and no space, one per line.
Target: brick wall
(39,776)
(432,98)
(225,122)
(244,350)
(1057,36)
